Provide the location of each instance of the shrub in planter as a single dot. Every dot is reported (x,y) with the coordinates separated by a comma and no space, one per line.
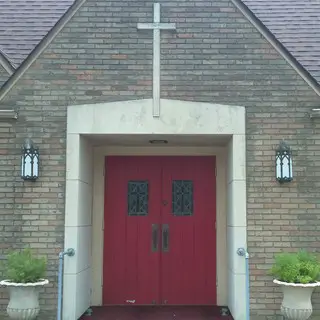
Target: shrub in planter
(298,275)
(25,275)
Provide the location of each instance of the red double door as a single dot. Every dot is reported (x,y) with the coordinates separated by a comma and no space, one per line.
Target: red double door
(159,231)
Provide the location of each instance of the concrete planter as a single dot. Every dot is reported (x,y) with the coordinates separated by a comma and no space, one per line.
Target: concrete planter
(24,299)
(296,303)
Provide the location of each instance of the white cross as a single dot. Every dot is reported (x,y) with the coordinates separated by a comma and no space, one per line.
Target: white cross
(156,26)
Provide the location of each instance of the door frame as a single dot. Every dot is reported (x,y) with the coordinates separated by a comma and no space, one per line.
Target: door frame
(130,122)
(101,152)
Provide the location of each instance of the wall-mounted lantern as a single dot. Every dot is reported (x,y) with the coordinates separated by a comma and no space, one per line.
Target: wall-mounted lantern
(29,161)
(283,163)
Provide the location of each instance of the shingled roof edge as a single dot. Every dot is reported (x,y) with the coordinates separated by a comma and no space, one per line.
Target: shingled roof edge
(252,18)
(278,46)
(6,63)
(42,45)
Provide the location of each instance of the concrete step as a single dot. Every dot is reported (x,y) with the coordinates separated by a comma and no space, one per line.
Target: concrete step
(156,313)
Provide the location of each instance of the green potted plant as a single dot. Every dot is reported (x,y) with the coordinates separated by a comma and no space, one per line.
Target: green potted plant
(25,275)
(297,274)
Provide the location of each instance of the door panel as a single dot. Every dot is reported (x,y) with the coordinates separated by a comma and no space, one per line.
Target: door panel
(132,240)
(188,267)
(159,228)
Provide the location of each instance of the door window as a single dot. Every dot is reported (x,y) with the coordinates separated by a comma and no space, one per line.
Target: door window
(138,198)
(182,197)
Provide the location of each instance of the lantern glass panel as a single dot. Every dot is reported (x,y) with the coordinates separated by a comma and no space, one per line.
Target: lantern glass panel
(27,166)
(279,167)
(286,170)
(283,163)
(30,164)
(35,166)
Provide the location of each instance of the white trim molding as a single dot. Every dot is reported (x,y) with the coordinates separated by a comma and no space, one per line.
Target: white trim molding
(89,125)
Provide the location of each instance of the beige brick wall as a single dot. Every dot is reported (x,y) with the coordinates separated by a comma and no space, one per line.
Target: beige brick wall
(32,213)
(215,56)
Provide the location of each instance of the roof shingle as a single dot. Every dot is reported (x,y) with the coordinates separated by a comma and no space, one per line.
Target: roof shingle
(24,23)
(296,24)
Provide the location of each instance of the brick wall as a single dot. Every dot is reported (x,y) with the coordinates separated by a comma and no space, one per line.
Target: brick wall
(214,56)
(4,75)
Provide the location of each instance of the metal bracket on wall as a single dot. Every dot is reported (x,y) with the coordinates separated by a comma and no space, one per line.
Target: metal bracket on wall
(241,252)
(224,311)
(88,312)
(69,252)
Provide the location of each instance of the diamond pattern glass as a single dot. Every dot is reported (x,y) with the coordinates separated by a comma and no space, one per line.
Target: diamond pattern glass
(138,198)
(182,197)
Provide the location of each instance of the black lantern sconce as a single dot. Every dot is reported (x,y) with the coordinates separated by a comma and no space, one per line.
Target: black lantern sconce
(29,161)
(283,163)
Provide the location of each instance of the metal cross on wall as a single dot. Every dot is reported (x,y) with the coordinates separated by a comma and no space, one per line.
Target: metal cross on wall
(156,26)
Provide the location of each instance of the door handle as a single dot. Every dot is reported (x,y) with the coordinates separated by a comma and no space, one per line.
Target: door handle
(154,238)
(165,237)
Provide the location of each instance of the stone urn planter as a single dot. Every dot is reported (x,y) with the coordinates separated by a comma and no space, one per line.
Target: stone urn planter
(24,299)
(297,274)
(25,275)
(296,303)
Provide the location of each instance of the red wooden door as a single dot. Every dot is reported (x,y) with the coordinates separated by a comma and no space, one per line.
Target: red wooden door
(160,245)
(132,210)
(188,257)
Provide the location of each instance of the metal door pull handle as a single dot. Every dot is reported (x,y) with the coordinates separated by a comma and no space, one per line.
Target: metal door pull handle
(154,238)
(165,238)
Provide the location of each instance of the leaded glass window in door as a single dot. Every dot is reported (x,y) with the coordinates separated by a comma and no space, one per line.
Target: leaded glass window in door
(182,197)
(138,198)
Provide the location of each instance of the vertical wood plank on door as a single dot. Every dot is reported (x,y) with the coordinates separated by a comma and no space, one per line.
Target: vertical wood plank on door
(189,268)
(131,269)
